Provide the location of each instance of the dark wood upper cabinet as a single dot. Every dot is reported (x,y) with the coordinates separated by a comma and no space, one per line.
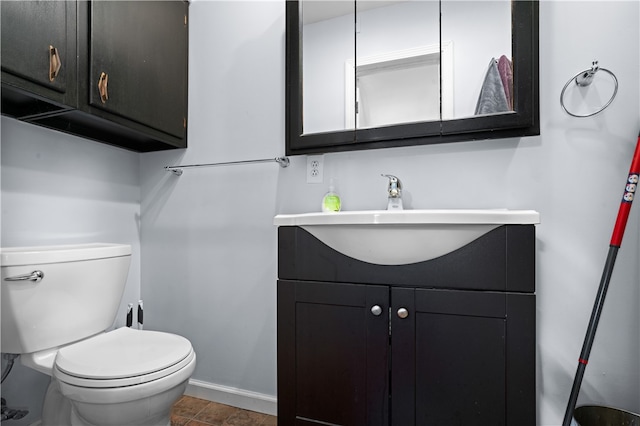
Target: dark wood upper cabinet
(443,42)
(123,77)
(36,34)
(140,46)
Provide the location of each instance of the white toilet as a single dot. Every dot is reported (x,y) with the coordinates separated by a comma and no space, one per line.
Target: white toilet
(57,302)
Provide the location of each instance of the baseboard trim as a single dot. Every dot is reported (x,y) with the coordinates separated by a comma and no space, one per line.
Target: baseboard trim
(240,398)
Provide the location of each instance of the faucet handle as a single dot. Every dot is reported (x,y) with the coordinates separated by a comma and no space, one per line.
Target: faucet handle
(395,186)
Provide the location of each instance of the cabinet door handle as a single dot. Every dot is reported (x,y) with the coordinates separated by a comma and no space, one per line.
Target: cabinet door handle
(403,313)
(376,310)
(102,87)
(55,63)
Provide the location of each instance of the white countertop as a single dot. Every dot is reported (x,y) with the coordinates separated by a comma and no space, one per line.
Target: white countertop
(411,217)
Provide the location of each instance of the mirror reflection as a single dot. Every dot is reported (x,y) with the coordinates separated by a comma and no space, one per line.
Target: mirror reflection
(370,64)
(397,77)
(327,41)
(483,73)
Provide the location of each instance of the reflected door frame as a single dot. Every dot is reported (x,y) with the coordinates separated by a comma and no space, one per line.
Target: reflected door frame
(431,52)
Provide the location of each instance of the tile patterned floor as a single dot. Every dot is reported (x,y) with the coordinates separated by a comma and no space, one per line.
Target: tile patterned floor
(190,411)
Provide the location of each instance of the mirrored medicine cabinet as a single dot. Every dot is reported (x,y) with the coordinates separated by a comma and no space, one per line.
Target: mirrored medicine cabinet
(369,74)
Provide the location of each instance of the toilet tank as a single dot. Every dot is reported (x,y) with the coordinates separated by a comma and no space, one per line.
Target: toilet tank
(77,296)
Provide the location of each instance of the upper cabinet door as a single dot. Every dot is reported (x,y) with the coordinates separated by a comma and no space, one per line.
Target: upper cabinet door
(138,62)
(39,48)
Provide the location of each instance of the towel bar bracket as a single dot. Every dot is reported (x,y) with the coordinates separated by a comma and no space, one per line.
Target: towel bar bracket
(586,77)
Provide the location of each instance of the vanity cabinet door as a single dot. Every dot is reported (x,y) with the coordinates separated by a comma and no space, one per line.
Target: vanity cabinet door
(333,342)
(38,55)
(138,63)
(462,358)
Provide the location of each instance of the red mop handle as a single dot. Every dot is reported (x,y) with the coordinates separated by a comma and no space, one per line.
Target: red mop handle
(629,192)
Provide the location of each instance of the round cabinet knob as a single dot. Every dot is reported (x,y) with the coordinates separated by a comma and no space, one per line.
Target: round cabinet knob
(403,313)
(376,310)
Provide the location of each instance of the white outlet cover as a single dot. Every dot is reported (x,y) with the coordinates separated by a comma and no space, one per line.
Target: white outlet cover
(315,168)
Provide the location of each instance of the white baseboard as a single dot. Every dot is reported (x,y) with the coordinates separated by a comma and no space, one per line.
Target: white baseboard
(240,398)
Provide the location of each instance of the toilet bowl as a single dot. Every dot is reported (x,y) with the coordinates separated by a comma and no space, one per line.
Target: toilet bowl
(140,375)
(120,377)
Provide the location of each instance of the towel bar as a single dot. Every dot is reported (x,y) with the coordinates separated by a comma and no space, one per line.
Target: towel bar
(177,170)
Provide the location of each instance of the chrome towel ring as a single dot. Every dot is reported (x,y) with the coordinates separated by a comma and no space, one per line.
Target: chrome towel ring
(583,79)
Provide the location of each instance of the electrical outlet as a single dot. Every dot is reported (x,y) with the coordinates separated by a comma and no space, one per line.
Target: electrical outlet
(314,168)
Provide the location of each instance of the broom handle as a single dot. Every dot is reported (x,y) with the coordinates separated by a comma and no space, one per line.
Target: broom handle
(627,198)
(616,241)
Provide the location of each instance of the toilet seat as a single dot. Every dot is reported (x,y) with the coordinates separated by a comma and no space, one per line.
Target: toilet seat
(123,357)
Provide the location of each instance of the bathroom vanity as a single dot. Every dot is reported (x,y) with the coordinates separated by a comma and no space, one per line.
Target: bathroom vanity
(378,337)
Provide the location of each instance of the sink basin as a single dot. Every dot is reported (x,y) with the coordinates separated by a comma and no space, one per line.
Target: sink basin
(407,236)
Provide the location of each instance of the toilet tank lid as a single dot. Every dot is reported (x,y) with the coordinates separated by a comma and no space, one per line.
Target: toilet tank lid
(37,255)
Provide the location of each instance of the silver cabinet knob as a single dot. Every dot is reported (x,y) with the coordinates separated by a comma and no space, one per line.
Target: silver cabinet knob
(376,310)
(403,313)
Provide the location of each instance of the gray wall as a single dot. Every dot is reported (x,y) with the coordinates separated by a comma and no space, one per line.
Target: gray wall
(215,266)
(208,249)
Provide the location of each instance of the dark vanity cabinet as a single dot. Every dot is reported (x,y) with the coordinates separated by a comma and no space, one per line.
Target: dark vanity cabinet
(111,71)
(449,341)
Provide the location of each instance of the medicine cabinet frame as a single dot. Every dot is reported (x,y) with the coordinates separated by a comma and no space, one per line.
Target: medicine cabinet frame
(523,121)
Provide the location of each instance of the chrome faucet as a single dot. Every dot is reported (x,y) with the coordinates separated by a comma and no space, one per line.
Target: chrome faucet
(395,193)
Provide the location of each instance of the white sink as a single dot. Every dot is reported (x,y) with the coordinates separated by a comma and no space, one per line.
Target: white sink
(407,236)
